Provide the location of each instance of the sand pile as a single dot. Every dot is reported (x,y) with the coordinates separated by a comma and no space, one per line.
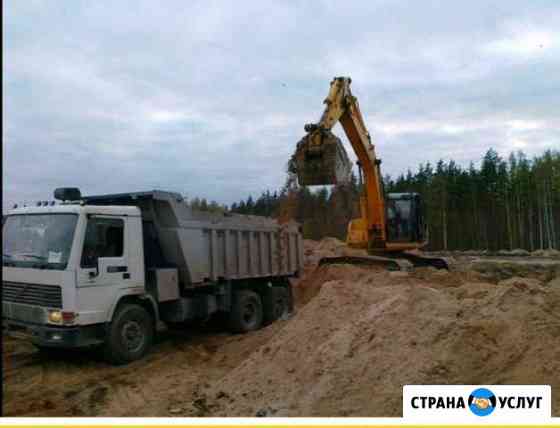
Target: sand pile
(517,252)
(496,269)
(312,279)
(327,247)
(364,333)
(552,253)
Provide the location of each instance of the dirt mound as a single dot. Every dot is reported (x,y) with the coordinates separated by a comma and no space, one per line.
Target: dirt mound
(311,284)
(554,283)
(312,278)
(524,283)
(327,247)
(496,269)
(552,253)
(358,335)
(366,333)
(516,252)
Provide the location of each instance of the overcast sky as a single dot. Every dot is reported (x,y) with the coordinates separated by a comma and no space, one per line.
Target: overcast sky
(209,98)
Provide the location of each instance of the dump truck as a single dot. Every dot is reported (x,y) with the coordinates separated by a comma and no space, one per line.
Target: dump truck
(113,270)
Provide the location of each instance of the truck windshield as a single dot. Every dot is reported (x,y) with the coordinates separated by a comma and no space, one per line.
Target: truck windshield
(41,241)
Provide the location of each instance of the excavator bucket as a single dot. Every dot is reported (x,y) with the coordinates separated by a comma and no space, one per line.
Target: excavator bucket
(321,159)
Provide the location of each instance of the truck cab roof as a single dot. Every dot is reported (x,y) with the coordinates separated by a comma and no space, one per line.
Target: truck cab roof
(132,197)
(78,209)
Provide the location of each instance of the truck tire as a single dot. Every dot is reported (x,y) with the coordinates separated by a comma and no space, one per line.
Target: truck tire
(246,312)
(277,304)
(130,334)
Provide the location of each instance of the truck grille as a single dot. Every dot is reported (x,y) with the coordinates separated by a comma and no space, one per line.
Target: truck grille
(32,294)
(24,313)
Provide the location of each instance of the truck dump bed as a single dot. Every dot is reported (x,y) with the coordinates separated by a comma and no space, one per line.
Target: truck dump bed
(207,247)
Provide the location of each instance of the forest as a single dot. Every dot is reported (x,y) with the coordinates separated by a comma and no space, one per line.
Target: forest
(500,204)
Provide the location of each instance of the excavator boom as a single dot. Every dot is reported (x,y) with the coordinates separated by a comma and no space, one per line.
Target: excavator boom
(319,161)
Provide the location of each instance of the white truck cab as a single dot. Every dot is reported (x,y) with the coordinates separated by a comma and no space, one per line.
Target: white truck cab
(65,267)
(106,270)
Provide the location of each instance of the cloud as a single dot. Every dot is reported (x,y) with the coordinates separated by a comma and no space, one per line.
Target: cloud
(526,43)
(209,98)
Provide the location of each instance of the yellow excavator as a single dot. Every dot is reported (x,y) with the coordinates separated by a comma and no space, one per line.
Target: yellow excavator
(389,225)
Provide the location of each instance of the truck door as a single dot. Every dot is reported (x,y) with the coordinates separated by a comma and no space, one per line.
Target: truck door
(103,266)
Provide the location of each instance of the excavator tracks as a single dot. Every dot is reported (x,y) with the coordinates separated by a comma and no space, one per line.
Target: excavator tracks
(397,262)
(386,262)
(424,261)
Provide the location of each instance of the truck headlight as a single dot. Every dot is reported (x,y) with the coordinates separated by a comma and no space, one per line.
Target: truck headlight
(62,317)
(55,317)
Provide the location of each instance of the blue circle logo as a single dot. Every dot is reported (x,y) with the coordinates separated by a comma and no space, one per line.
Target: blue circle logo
(482,402)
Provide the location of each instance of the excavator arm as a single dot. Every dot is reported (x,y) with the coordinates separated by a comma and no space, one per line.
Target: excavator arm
(368,231)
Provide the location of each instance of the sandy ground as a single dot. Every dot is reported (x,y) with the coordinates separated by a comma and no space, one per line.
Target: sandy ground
(82,384)
(357,336)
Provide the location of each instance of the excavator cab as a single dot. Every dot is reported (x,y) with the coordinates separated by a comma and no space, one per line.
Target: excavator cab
(405,218)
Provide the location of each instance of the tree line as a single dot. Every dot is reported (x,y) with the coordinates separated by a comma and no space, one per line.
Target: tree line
(504,204)
(501,204)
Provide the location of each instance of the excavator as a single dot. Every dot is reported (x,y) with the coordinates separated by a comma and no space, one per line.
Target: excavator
(390,226)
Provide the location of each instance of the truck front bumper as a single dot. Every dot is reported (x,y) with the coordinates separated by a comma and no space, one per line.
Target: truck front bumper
(56,337)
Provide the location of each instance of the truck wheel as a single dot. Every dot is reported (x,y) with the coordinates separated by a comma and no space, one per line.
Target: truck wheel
(277,304)
(281,302)
(130,335)
(246,312)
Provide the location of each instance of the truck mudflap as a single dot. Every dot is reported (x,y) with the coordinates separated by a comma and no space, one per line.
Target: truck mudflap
(56,337)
